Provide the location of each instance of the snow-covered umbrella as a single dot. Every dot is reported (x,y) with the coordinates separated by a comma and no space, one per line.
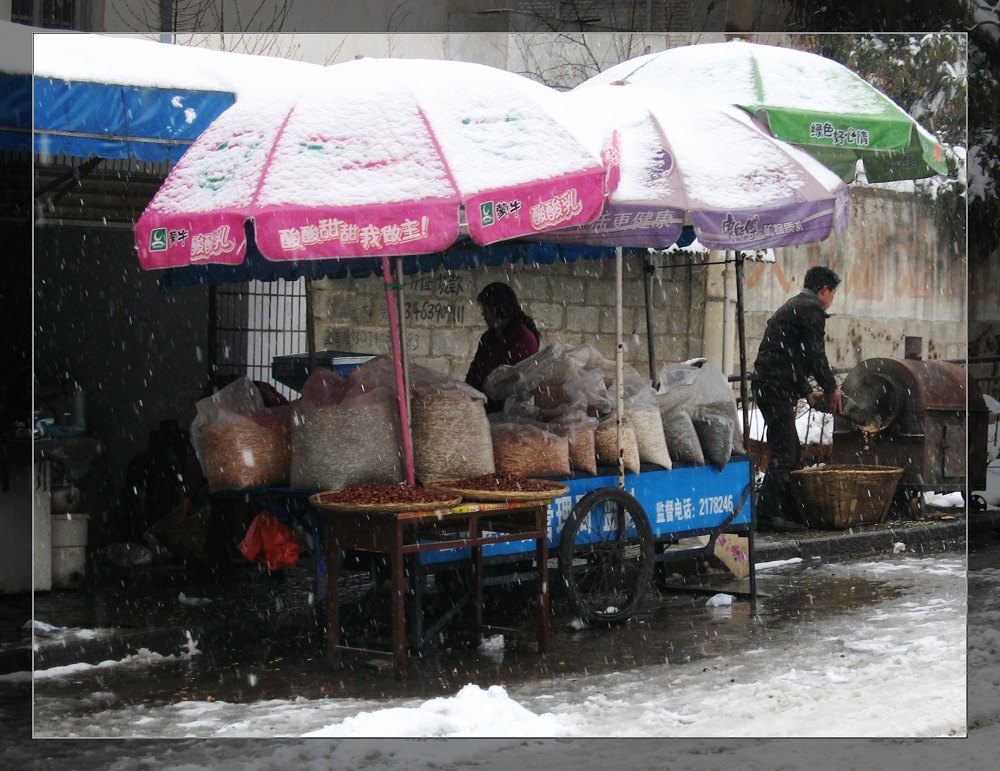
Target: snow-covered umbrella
(700,164)
(802,98)
(704,165)
(373,158)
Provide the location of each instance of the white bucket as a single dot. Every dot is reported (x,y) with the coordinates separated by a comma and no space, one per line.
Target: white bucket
(69,550)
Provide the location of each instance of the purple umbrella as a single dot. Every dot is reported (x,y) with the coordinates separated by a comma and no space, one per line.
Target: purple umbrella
(709,166)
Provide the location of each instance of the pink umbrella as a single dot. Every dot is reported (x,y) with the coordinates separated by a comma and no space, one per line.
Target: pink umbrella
(373,158)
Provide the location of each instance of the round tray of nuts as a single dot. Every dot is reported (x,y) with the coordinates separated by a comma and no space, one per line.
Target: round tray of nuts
(383,496)
(501,486)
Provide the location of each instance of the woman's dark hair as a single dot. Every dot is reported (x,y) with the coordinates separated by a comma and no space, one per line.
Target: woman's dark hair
(818,277)
(502,302)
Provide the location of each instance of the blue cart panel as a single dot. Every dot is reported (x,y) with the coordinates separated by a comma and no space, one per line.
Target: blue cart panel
(679,501)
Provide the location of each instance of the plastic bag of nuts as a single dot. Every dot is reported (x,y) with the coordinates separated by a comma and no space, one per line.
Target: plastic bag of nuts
(606,445)
(451,434)
(349,443)
(527,450)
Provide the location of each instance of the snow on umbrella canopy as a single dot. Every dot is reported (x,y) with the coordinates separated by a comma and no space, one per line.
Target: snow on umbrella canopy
(706,165)
(803,98)
(370,158)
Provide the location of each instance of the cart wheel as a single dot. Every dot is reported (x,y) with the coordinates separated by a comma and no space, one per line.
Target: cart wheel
(606,556)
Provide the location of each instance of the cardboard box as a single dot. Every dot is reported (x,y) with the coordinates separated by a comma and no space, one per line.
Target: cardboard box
(733,551)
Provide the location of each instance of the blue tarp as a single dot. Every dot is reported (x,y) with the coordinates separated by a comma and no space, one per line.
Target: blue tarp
(15,112)
(106,120)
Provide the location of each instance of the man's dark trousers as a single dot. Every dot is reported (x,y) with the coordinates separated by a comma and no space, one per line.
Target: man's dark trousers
(777,405)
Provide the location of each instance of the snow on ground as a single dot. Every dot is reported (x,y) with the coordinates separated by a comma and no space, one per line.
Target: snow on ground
(833,678)
(978,751)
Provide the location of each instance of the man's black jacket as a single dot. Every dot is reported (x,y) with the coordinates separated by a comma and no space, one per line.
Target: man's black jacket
(793,348)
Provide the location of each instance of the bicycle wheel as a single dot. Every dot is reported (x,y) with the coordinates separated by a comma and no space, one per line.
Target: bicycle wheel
(606,556)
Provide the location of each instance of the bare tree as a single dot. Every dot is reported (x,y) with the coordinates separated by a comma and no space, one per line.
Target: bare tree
(230,25)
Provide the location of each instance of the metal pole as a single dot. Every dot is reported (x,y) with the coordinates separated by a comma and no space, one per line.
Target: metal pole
(619,369)
(400,284)
(310,327)
(727,318)
(647,281)
(745,401)
(397,360)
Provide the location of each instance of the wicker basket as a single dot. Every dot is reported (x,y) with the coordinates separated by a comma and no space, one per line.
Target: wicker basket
(835,497)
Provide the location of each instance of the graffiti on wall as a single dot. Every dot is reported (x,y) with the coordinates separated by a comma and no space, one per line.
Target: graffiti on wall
(376,340)
(435,299)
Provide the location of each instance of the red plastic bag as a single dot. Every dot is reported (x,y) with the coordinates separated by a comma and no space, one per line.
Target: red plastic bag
(275,539)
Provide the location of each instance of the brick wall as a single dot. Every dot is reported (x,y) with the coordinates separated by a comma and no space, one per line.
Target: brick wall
(572,303)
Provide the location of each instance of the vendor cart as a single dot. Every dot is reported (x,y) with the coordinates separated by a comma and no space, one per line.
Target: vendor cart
(660,178)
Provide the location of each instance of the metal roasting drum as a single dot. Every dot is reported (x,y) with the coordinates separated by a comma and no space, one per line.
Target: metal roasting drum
(925,416)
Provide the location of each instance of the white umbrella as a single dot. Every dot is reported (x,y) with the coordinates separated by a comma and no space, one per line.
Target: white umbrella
(802,98)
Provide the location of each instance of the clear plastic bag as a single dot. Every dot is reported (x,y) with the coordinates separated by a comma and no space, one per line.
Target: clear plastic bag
(451,432)
(643,414)
(682,439)
(239,443)
(579,428)
(606,445)
(715,434)
(527,450)
(355,441)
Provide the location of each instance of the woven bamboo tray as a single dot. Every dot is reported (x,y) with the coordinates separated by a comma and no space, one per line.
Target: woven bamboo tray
(841,496)
(502,495)
(319,501)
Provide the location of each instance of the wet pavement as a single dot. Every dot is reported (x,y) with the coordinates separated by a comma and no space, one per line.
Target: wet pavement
(258,639)
(674,626)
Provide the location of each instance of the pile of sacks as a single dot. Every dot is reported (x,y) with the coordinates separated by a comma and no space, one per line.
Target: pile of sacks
(698,410)
(342,432)
(559,418)
(569,392)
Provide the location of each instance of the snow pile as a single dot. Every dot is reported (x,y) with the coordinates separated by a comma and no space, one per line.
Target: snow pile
(471,712)
(945,500)
(99,58)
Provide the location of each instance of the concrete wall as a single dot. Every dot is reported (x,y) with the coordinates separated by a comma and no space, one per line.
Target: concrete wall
(903,274)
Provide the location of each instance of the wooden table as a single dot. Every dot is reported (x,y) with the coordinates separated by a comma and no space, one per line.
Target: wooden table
(396,534)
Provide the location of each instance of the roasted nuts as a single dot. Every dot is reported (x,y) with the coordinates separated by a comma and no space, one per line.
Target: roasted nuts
(379,493)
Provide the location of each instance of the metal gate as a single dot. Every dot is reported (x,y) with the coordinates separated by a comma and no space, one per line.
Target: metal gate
(252,323)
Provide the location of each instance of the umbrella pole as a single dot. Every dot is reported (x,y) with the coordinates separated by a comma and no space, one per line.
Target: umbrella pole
(401,286)
(397,360)
(647,280)
(619,369)
(745,401)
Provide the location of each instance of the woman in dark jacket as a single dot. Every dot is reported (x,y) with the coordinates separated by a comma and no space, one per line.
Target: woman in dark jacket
(511,336)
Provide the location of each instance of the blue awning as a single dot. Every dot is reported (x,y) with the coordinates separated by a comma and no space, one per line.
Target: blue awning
(107,120)
(463,255)
(15,112)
